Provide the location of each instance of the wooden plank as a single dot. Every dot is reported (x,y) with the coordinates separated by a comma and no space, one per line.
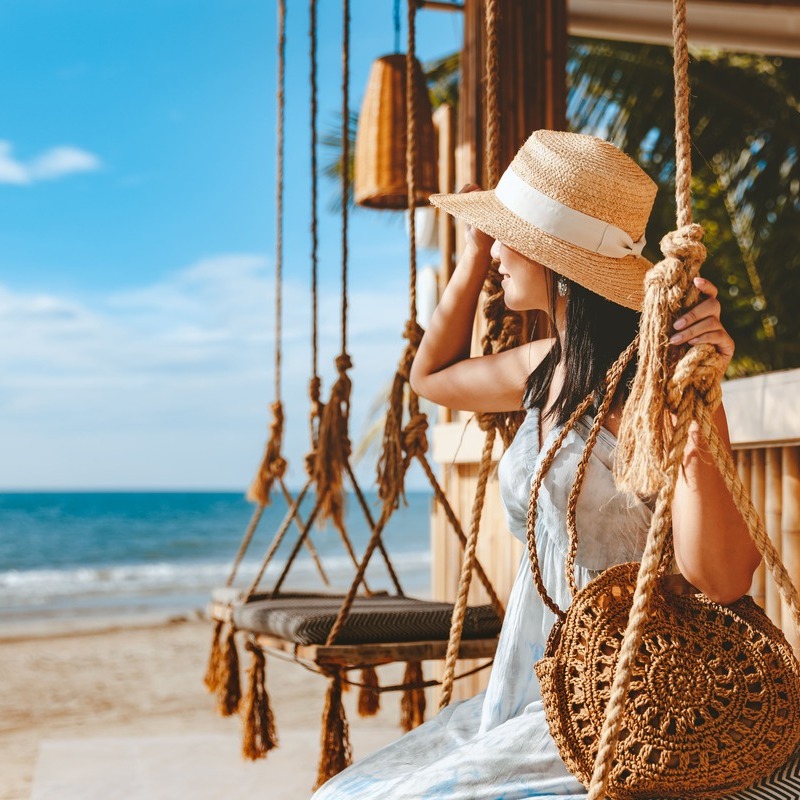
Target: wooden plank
(355,655)
(762,410)
(771,28)
(790,531)
(772,523)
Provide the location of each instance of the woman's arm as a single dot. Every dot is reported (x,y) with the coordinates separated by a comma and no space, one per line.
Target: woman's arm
(713,548)
(443,370)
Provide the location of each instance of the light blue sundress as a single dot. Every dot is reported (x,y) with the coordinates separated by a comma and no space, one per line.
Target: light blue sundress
(497,745)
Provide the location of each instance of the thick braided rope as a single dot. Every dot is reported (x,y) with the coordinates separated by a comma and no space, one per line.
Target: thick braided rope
(345,176)
(501,333)
(315,410)
(273,464)
(646,581)
(744,505)
(467,567)
(503,327)
(258,512)
(333,446)
(291,514)
(299,524)
(612,382)
(312,517)
(344,609)
(411,155)
(281,100)
(683,144)
(649,455)
(645,424)
(362,501)
(492,106)
(393,460)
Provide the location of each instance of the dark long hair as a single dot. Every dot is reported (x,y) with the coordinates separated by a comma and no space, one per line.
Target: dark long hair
(596,332)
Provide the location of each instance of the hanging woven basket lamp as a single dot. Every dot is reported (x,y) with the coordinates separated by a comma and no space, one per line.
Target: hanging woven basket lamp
(380,157)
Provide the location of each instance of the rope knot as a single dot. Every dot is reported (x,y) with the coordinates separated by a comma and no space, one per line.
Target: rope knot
(310,460)
(642,442)
(415,439)
(273,464)
(413,333)
(699,370)
(685,243)
(315,390)
(343,363)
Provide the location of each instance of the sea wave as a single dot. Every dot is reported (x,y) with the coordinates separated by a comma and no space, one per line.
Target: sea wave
(26,588)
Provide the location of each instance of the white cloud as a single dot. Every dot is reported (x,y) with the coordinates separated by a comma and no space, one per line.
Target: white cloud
(169,384)
(11,171)
(60,161)
(52,164)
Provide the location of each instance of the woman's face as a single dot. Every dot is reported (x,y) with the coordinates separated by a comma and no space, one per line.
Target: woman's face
(525,281)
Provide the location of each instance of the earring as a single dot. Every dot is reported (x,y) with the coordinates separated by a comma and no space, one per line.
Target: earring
(562,286)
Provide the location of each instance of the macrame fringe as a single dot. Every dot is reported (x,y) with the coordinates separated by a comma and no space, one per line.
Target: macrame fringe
(214,659)
(333,447)
(259,724)
(392,464)
(273,465)
(412,705)
(228,687)
(369,699)
(336,753)
(646,423)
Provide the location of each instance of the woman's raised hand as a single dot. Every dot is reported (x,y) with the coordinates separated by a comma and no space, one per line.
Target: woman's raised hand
(481,241)
(701,324)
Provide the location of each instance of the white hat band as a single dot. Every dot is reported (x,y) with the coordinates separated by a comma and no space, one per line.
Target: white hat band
(563,222)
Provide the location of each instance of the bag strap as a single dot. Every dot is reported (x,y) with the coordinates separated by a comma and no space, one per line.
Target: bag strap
(612,379)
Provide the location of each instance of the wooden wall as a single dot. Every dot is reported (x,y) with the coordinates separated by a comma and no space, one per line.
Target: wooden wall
(767,457)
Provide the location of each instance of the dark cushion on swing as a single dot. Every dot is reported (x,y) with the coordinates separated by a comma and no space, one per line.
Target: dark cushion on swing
(308,620)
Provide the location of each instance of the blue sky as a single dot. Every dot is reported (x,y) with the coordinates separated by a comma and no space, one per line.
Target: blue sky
(137,154)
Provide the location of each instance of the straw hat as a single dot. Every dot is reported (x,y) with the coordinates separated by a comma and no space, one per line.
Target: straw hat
(572,202)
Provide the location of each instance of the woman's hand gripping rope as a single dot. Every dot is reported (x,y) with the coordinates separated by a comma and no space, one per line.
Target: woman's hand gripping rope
(702,325)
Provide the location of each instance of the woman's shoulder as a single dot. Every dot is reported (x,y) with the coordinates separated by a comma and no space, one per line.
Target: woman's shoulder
(538,350)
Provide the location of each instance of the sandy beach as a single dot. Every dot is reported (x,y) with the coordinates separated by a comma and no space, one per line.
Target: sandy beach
(110,682)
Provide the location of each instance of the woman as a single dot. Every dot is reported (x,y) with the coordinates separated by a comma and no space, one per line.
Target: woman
(566,223)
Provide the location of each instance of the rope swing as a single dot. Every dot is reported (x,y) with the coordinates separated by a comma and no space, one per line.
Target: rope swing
(650,449)
(328,466)
(222,672)
(503,330)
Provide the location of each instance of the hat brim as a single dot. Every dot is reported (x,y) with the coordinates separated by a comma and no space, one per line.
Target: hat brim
(620,280)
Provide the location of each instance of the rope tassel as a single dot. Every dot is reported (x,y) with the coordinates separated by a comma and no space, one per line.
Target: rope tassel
(333,448)
(412,704)
(336,753)
(214,659)
(369,699)
(259,724)
(646,423)
(273,465)
(228,686)
(392,463)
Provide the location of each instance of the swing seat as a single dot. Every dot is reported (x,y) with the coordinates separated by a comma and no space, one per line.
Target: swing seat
(307,620)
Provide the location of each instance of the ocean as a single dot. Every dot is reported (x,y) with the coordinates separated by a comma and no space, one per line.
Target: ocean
(83,554)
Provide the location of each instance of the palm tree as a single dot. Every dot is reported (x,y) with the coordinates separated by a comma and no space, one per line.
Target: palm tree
(745,123)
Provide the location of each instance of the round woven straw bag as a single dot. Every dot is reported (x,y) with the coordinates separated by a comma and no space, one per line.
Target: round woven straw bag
(714,700)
